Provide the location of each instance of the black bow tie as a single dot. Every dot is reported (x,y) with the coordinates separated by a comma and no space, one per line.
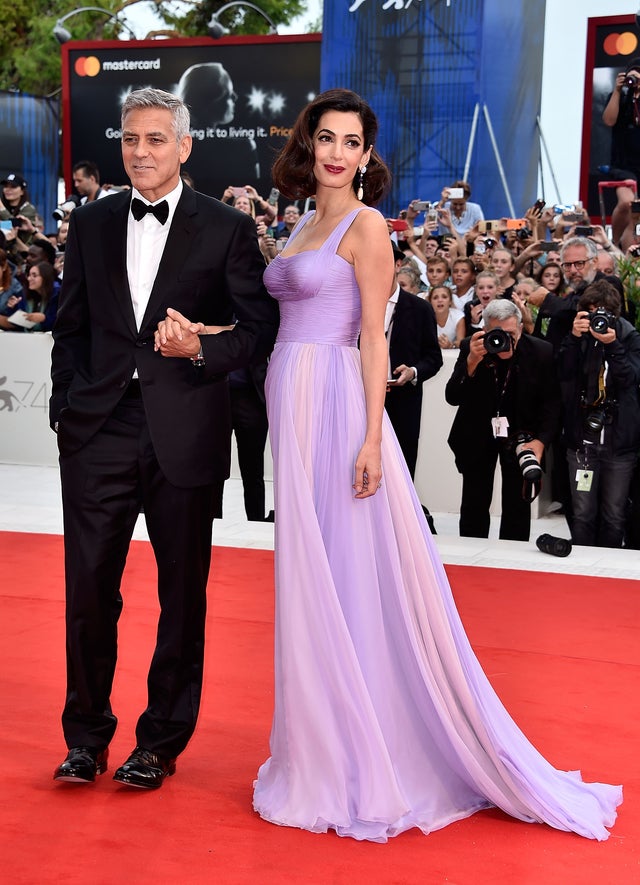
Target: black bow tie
(140,209)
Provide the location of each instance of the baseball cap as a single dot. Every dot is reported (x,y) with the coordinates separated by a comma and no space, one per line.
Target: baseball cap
(14,179)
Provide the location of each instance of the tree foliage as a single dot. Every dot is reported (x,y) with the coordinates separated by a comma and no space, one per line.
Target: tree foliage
(30,59)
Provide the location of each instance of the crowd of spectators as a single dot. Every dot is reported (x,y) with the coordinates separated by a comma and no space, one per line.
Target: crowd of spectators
(448,254)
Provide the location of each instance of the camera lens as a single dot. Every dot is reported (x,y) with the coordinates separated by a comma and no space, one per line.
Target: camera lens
(554,546)
(497,341)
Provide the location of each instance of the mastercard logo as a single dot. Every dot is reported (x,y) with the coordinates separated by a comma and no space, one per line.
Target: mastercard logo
(620,44)
(87,66)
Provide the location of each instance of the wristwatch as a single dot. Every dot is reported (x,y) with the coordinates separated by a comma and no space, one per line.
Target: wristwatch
(198,359)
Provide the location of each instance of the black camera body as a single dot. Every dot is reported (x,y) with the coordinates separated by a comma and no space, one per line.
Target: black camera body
(630,81)
(497,341)
(601,320)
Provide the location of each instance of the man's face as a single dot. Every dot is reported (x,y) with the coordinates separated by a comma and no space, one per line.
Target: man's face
(458,207)
(577,267)
(512,327)
(35,254)
(605,263)
(83,183)
(150,152)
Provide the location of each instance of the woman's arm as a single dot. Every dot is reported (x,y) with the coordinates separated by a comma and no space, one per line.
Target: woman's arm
(610,113)
(369,248)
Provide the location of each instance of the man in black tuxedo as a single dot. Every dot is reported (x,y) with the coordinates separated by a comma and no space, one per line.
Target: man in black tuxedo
(136,429)
(499,396)
(414,356)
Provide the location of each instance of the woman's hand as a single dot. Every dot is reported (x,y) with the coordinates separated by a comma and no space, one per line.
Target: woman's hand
(13,301)
(35,317)
(368,471)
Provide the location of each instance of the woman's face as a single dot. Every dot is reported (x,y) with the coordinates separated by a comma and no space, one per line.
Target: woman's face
(486,290)
(13,194)
(243,204)
(440,300)
(339,149)
(462,277)
(501,264)
(551,278)
(34,279)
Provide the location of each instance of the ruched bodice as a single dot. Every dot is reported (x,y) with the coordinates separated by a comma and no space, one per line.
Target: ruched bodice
(317,291)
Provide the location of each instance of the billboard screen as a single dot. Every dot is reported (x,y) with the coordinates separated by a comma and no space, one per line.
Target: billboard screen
(244,94)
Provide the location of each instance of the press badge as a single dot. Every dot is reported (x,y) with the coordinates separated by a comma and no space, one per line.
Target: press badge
(500,426)
(584,478)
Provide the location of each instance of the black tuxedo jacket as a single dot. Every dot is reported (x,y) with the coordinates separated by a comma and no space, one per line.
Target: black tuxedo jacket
(534,401)
(211,271)
(414,338)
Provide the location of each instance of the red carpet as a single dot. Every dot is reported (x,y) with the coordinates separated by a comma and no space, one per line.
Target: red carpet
(563,653)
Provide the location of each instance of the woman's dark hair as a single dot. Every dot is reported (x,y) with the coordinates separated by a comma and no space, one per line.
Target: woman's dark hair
(600,293)
(48,275)
(538,277)
(292,171)
(14,210)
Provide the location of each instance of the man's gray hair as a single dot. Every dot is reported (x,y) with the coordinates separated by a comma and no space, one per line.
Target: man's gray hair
(501,309)
(148,98)
(589,245)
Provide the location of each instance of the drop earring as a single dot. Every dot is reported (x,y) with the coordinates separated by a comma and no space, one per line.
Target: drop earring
(360,193)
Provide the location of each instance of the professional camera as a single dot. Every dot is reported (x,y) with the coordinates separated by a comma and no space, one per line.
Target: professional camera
(601,320)
(525,233)
(497,341)
(630,81)
(63,210)
(527,461)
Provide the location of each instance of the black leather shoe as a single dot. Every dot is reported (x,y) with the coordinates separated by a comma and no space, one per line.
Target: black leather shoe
(82,765)
(145,769)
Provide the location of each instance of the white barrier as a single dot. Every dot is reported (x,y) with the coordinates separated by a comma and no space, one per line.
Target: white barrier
(25,436)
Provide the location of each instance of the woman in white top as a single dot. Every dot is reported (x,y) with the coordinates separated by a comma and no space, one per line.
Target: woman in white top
(450,320)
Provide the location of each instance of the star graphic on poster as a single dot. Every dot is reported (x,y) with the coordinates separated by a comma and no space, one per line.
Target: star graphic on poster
(256,99)
(276,102)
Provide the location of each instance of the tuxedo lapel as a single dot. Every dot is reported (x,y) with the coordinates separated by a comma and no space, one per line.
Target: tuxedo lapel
(114,238)
(176,249)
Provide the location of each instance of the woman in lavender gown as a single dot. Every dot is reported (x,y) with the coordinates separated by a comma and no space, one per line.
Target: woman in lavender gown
(384,719)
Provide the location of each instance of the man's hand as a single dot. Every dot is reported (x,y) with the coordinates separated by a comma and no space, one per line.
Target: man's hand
(536,447)
(405,375)
(177,336)
(477,352)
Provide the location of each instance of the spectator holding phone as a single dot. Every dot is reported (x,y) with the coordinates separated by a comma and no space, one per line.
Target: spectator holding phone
(462,213)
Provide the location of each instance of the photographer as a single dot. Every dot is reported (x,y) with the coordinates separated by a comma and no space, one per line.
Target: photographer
(621,115)
(599,373)
(504,397)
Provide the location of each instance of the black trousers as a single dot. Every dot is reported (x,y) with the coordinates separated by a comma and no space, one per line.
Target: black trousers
(103,487)
(404,406)
(249,421)
(477,491)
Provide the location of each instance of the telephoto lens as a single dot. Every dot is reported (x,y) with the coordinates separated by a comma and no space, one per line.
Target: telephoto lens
(554,546)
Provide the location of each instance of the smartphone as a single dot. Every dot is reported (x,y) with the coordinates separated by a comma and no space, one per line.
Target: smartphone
(16,222)
(273,196)
(539,205)
(456,193)
(421,205)
(239,191)
(584,230)
(572,216)
(6,225)
(549,246)
(399,224)
(391,381)
(515,223)
(635,207)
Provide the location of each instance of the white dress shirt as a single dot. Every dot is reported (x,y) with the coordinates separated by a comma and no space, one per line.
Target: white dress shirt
(146,240)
